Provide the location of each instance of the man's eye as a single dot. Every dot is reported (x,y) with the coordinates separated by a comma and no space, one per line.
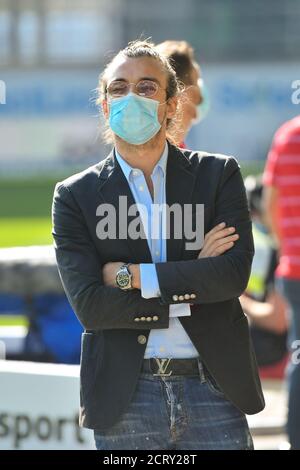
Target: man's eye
(117,88)
(147,88)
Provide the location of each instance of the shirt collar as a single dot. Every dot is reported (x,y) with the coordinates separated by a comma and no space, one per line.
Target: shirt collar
(128,169)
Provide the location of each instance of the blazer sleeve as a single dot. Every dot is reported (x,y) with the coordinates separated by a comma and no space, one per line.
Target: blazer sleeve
(97,306)
(223,277)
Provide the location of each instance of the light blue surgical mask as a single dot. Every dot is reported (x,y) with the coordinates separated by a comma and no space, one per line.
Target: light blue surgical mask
(134,118)
(204,106)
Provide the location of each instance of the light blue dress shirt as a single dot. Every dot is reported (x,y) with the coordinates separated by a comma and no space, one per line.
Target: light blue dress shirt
(171,342)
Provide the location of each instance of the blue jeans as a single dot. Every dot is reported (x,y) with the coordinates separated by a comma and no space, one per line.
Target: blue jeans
(179,413)
(290,289)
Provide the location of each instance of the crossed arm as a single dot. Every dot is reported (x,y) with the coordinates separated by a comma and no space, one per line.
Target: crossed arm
(216,242)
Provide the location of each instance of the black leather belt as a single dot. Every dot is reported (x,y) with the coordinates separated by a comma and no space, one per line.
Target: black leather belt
(167,367)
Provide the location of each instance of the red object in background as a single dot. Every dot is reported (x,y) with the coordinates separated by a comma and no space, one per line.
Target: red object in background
(283,172)
(275,371)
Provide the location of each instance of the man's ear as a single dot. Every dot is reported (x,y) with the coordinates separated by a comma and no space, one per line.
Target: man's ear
(105,108)
(172,107)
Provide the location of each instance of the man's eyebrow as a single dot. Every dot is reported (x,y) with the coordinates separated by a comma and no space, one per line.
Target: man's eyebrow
(153,79)
(119,80)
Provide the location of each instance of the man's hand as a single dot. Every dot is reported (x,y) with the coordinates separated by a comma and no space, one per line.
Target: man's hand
(109,272)
(218,240)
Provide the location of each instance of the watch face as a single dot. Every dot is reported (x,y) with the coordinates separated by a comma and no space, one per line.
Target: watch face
(122,279)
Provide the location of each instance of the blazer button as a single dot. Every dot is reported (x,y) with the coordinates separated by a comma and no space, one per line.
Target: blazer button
(175,298)
(143,318)
(155,318)
(181,297)
(136,319)
(187,296)
(193,296)
(149,318)
(142,339)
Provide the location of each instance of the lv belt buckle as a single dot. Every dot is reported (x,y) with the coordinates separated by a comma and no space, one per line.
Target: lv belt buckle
(163,365)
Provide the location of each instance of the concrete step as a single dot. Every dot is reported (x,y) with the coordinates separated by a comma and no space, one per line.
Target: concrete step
(278,442)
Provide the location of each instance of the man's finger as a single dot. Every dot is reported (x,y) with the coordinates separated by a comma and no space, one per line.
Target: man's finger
(216,229)
(222,248)
(210,239)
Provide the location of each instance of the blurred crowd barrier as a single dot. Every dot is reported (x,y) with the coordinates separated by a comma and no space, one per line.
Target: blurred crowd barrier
(30,288)
(41,406)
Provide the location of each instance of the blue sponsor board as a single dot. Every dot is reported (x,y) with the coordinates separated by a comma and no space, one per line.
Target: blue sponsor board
(49,94)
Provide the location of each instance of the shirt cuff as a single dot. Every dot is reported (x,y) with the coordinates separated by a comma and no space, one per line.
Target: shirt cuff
(149,281)
(180,310)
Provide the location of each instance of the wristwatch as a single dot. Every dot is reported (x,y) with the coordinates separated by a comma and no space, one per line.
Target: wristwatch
(124,277)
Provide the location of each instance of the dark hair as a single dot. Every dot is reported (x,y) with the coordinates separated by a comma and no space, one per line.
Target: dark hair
(181,56)
(135,50)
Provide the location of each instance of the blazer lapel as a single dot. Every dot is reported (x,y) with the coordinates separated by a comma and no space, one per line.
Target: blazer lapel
(179,189)
(112,185)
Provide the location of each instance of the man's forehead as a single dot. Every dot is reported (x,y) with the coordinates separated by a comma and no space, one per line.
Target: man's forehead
(133,69)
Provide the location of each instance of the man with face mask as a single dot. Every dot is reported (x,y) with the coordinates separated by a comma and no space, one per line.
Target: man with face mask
(166,358)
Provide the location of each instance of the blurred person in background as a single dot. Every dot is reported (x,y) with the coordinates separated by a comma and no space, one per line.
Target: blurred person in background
(166,358)
(282,206)
(194,96)
(262,303)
